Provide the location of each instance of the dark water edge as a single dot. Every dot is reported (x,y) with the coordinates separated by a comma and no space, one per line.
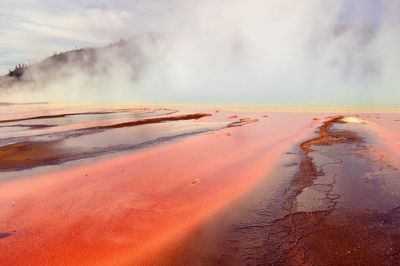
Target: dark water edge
(337,205)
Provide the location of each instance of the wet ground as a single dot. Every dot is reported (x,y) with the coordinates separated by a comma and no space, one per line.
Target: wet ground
(338,203)
(164,186)
(122,207)
(342,209)
(50,139)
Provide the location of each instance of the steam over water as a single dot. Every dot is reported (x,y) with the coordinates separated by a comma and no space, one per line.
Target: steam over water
(335,53)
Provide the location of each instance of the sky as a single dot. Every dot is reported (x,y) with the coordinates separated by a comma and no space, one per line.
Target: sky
(333,52)
(33,29)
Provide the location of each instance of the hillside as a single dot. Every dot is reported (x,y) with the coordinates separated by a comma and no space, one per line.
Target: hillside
(126,54)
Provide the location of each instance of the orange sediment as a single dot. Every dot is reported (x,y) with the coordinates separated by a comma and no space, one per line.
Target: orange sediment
(325,137)
(135,208)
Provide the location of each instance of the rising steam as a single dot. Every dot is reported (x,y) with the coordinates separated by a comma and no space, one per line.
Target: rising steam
(275,52)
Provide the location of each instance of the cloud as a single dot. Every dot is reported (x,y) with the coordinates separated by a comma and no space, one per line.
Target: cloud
(34,29)
(340,52)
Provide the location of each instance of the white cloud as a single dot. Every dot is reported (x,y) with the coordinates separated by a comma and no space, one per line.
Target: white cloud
(34,29)
(339,52)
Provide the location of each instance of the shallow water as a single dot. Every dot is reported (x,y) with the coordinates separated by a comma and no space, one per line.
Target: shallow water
(51,139)
(220,196)
(154,200)
(134,137)
(348,213)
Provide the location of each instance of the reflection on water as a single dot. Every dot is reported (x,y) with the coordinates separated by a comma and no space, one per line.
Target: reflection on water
(19,128)
(131,136)
(53,138)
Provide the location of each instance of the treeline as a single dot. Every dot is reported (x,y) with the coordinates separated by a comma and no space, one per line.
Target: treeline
(18,70)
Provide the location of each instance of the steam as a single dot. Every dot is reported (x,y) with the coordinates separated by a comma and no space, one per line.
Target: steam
(275,52)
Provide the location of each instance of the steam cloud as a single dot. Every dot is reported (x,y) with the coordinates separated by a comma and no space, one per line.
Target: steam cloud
(275,52)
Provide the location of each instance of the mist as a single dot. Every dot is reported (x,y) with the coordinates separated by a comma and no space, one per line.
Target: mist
(340,53)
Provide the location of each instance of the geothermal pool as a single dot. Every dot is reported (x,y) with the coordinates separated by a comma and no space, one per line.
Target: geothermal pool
(104,185)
